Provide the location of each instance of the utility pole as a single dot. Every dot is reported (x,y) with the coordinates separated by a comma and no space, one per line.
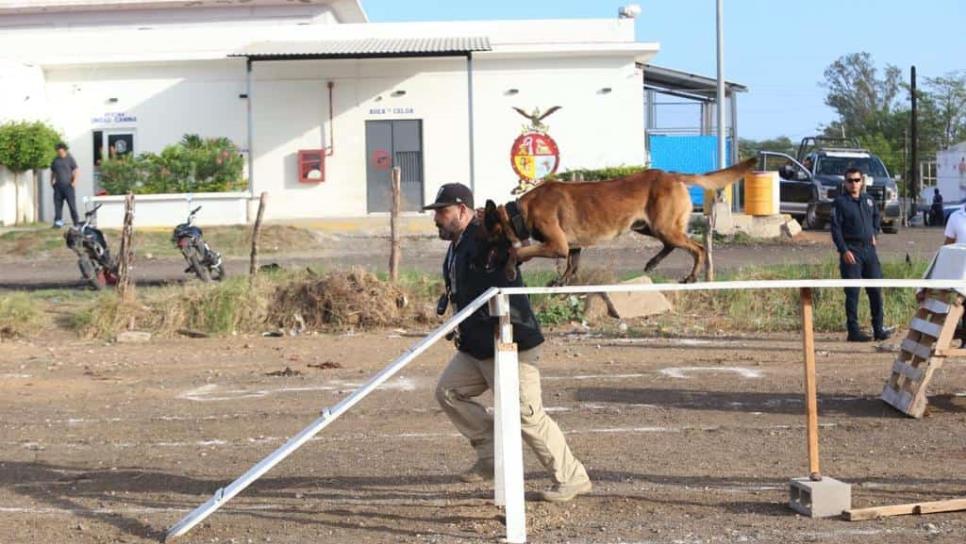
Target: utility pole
(913,139)
(722,148)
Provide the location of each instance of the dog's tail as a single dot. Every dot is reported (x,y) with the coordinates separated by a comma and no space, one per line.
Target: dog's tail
(721,178)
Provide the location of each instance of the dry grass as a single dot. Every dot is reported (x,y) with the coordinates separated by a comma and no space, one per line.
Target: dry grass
(19,315)
(293,302)
(356,299)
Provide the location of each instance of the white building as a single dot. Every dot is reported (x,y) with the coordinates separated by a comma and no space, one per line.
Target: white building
(277,77)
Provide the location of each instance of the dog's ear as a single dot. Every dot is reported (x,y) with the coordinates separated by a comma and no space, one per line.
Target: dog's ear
(490,216)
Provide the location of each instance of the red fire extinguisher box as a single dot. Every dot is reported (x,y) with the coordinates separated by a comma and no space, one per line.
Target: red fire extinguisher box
(311,165)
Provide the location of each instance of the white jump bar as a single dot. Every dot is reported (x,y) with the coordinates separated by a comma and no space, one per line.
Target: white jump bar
(734,285)
(225,494)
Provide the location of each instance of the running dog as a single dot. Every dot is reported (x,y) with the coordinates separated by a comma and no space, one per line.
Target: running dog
(565,217)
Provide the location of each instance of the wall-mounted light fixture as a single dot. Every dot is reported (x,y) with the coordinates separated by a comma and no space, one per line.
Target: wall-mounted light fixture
(511,92)
(605,90)
(399,92)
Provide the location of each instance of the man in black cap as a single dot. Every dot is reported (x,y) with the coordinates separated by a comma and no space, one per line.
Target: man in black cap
(470,371)
(855,223)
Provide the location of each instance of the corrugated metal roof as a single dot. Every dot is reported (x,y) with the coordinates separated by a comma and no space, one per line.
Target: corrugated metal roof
(369,47)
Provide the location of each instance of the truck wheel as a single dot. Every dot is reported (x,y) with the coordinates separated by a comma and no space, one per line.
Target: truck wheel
(812,220)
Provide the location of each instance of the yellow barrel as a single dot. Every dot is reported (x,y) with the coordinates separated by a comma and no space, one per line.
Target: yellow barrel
(761,190)
(709,198)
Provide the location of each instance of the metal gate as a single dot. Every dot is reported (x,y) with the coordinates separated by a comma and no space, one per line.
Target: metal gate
(388,144)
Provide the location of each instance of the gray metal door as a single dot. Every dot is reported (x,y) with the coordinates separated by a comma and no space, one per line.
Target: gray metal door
(389,144)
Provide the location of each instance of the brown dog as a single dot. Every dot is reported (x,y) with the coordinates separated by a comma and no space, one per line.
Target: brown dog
(565,217)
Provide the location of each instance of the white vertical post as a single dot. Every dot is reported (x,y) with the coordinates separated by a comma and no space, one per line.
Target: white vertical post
(508,456)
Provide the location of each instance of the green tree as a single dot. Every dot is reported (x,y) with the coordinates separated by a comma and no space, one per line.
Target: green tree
(750,148)
(862,98)
(947,106)
(26,145)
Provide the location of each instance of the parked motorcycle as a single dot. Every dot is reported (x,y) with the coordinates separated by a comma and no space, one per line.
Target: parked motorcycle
(94,259)
(202,260)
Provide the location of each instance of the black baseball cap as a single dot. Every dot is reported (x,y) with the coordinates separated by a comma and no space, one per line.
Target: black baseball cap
(451,194)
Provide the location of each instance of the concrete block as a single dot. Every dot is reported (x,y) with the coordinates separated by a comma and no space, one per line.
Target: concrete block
(819,499)
(133,337)
(791,228)
(629,305)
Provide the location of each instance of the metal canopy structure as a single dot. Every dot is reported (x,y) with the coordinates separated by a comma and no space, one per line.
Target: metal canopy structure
(458,46)
(685,84)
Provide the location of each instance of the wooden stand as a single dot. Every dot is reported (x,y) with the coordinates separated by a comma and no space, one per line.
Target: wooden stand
(924,350)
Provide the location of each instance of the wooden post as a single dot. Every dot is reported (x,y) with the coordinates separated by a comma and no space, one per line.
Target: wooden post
(394,224)
(125,287)
(253,267)
(811,400)
(709,246)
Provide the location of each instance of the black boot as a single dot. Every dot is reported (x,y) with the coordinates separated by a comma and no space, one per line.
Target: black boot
(859,336)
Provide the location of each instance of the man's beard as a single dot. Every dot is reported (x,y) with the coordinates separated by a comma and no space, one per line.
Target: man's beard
(450,231)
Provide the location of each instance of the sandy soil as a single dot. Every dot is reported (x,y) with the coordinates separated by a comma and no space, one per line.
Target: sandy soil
(687,441)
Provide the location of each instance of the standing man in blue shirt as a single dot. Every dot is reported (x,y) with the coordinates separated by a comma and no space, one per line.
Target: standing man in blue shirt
(855,223)
(63,178)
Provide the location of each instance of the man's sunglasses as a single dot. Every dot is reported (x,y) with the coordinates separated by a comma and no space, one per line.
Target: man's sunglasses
(853,180)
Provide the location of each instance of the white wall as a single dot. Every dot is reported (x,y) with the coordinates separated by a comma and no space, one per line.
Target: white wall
(167,100)
(593,128)
(14,211)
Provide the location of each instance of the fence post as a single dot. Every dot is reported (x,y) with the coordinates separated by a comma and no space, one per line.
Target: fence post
(256,230)
(125,287)
(507,440)
(394,224)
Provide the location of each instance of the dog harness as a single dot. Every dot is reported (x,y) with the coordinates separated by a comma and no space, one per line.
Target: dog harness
(517,221)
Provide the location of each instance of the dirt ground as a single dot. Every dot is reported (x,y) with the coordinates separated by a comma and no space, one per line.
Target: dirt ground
(687,441)
(627,254)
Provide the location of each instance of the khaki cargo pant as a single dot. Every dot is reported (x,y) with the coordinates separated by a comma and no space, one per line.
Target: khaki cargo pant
(467,377)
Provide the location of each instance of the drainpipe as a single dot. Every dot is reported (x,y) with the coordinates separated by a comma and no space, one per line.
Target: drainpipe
(330,149)
(251,128)
(469,96)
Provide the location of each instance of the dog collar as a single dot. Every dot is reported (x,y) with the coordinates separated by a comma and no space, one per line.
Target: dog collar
(517,221)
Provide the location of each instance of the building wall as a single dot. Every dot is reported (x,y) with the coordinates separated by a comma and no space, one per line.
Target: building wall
(594,128)
(165,101)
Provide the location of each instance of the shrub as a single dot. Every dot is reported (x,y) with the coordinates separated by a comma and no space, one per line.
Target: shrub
(599,174)
(193,165)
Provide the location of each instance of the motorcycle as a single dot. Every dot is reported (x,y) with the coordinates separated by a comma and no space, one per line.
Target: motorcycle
(202,260)
(94,259)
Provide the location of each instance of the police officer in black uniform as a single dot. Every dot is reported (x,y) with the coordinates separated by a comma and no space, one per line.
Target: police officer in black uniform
(469,272)
(855,223)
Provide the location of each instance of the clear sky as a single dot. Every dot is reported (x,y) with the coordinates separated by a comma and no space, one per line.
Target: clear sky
(778,48)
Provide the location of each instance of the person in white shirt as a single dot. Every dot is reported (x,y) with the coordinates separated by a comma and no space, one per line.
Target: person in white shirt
(956,227)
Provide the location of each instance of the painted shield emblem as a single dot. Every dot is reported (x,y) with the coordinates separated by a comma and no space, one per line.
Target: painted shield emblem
(534,156)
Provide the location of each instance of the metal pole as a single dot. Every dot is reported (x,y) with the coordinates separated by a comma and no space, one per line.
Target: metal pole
(508,444)
(914,138)
(251,127)
(329,415)
(469,96)
(720,99)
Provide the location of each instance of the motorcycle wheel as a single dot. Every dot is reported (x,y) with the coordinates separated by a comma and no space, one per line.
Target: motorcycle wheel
(94,277)
(193,257)
(218,273)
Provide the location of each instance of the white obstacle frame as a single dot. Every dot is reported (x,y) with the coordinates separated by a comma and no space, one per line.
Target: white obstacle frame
(509,485)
